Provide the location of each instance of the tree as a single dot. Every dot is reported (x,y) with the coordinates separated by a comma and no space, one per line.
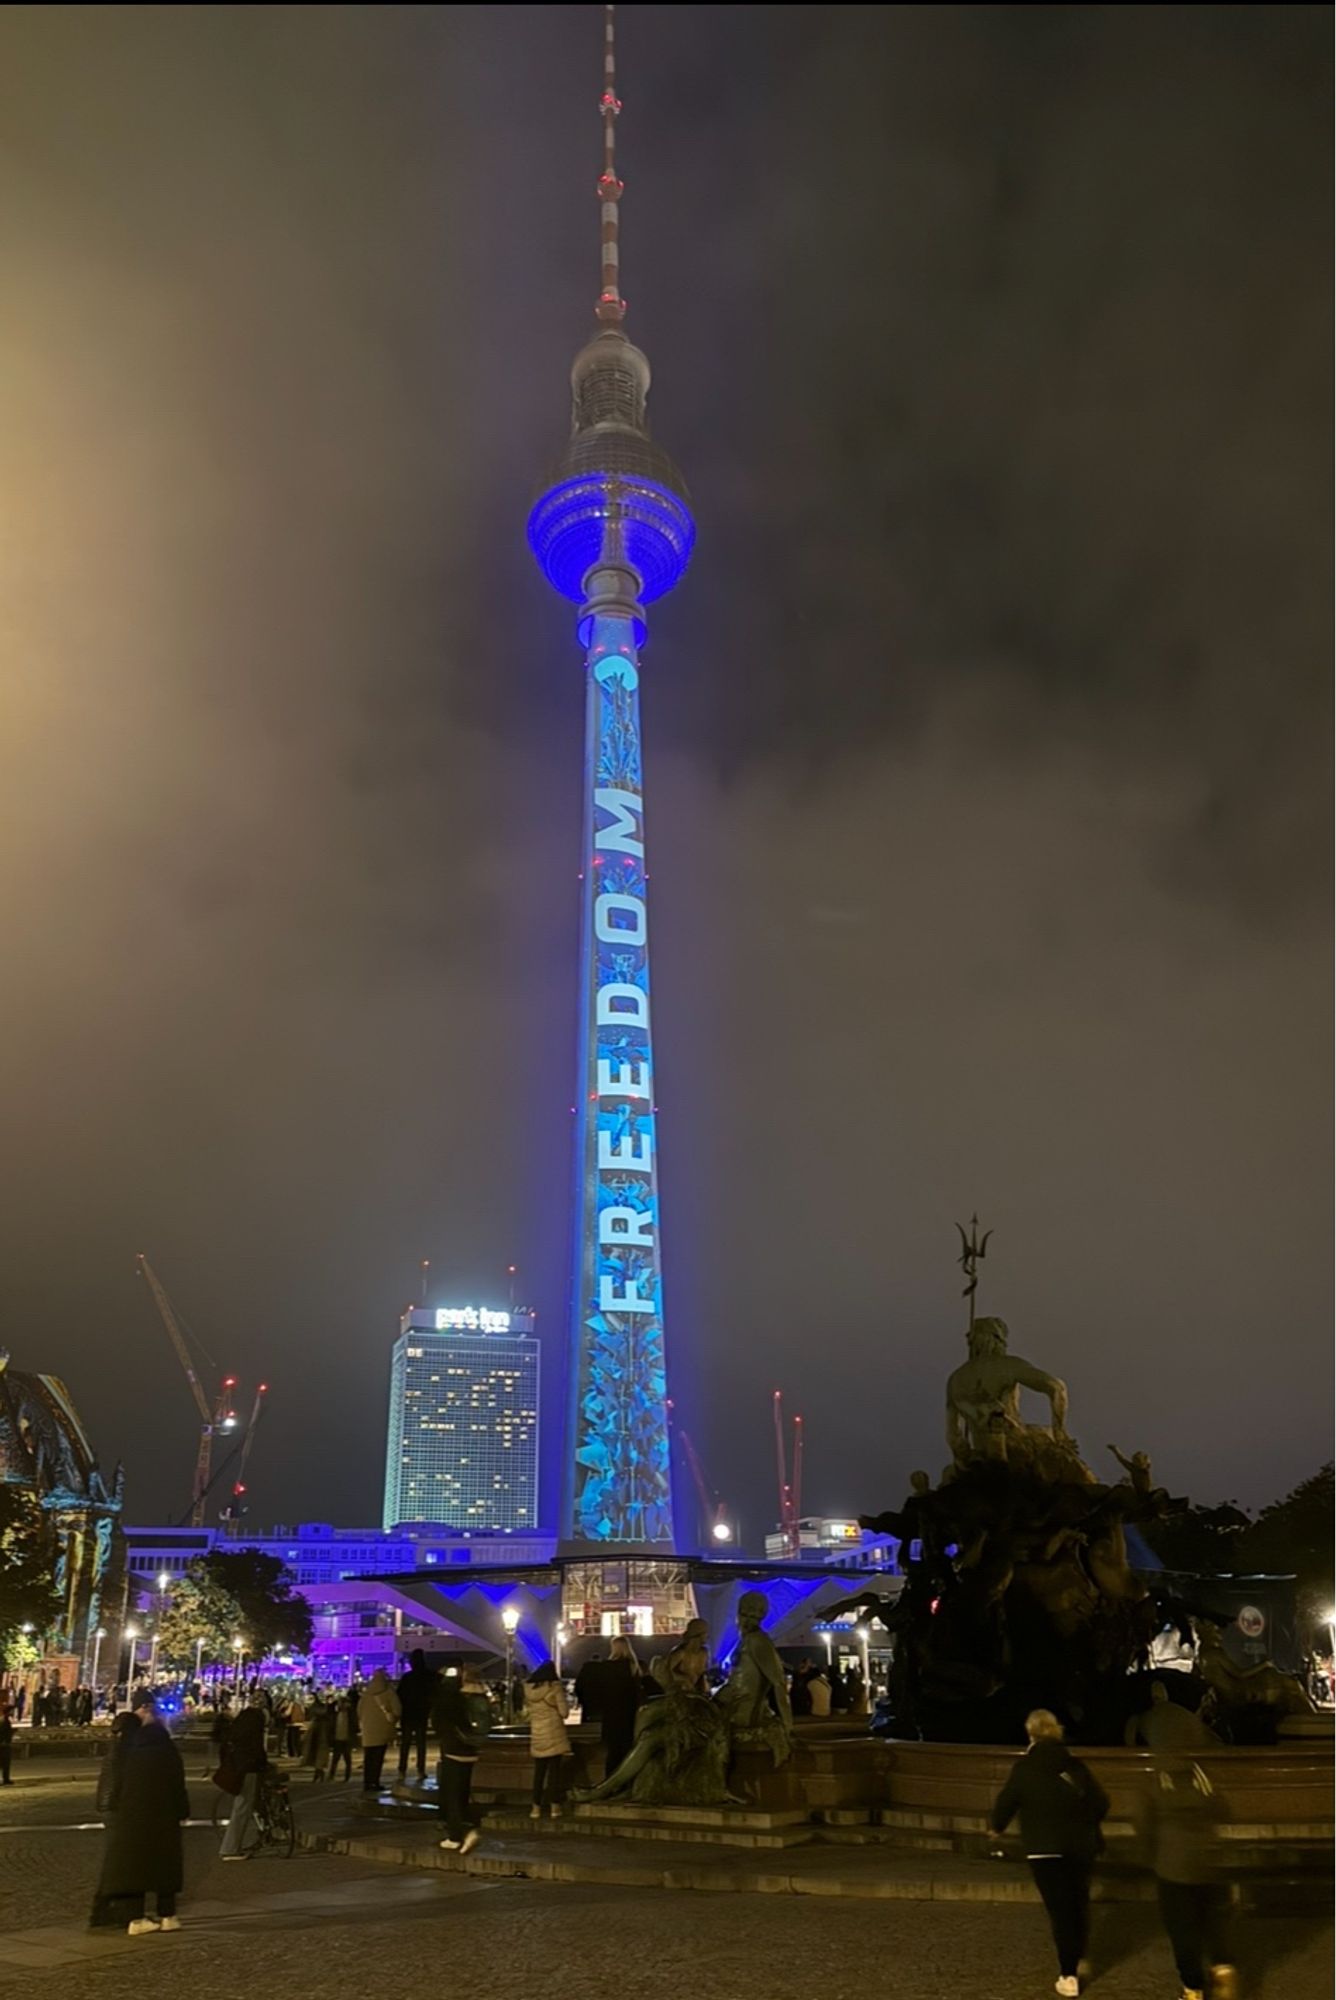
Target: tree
(28,1594)
(272,1618)
(1201,1541)
(198,1608)
(1294,1536)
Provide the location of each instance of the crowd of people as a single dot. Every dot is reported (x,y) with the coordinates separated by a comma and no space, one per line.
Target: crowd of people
(445,1717)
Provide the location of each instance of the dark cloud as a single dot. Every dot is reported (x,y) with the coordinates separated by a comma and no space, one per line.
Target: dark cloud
(988,737)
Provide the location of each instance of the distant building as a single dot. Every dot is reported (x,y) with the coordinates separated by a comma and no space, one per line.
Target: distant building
(462,1448)
(317,1555)
(45,1451)
(838,1542)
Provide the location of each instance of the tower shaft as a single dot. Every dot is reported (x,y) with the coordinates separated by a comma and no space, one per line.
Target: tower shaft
(618,1477)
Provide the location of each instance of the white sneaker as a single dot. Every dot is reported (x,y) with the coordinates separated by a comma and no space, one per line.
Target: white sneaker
(169,1923)
(450,1846)
(141,1926)
(1068,1987)
(556,1812)
(535,1812)
(470,1841)
(234,1857)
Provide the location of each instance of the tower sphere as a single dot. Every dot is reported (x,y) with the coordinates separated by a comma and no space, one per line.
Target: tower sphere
(612,465)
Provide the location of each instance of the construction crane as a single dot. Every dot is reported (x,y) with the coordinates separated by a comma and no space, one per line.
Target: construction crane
(715,1524)
(790,1480)
(214,1421)
(236,1507)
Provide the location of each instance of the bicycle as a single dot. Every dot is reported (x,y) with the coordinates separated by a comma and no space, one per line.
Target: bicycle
(274,1825)
(273,1813)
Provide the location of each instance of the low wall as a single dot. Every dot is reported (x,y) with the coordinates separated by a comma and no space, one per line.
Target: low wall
(1290,1785)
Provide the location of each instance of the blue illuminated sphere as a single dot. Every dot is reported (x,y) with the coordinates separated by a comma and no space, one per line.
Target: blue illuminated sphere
(566,531)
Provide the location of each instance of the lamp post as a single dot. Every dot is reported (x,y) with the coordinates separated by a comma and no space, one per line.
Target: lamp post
(238,1647)
(559,1638)
(510,1618)
(98,1637)
(867,1678)
(199,1655)
(164,1583)
(132,1634)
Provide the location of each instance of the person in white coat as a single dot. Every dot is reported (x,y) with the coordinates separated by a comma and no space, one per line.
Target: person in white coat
(378,1722)
(549,1742)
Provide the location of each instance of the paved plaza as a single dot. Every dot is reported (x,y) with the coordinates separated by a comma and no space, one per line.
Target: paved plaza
(334,1925)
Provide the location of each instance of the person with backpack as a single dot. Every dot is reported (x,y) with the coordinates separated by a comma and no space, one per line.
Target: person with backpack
(1177,1822)
(460,1719)
(1060,1804)
(549,1744)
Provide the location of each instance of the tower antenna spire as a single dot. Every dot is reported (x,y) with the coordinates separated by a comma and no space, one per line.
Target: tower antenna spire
(611,307)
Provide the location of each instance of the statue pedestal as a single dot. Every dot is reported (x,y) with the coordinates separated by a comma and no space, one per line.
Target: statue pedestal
(752,1777)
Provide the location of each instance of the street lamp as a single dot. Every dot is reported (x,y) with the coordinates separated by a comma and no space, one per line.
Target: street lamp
(98,1637)
(560,1636)
(867,1680)
(510,1618)
(722,1531)
(199,1655)
(238,1647)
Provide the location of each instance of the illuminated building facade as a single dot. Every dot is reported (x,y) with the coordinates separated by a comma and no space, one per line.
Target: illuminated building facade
(612,532)
(462,1446)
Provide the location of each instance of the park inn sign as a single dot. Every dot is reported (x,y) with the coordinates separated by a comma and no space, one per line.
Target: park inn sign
(471,1319)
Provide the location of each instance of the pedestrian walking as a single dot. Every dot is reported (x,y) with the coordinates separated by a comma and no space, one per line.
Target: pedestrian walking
(621,1692)
(456,1725)
(243,1760)
(546,1706)
(1060,1804)
(147,1803)
(6,1743)
(378,1721)
(344,1736)
(1177,1821)
(417,1693)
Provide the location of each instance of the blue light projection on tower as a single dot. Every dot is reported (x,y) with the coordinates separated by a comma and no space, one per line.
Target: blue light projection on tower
(612,532)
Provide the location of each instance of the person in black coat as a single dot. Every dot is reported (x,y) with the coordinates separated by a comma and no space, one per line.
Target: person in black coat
(459,1735)
(107,1909)
(417,1696)
(146,1801)
(6,1743)
(1060,1804)
(620,1694)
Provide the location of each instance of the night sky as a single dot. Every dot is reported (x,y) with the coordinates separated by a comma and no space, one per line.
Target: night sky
(988,737)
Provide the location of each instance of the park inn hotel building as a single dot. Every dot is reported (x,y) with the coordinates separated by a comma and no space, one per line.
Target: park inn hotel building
(462,1448)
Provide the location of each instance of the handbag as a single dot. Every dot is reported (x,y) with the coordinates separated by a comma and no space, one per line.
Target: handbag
(227,1780)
